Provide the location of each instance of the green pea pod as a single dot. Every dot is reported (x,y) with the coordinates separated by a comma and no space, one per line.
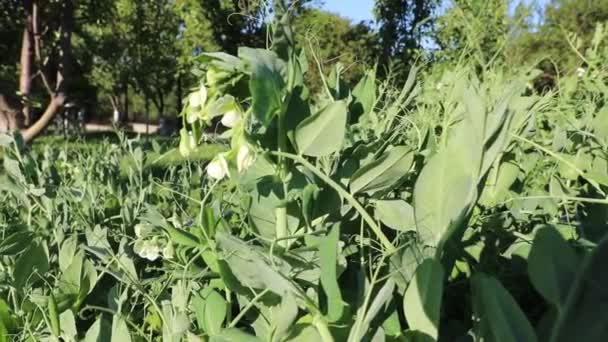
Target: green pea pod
(182,237)
(54,316)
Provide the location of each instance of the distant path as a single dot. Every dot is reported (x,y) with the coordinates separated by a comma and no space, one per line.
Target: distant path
(135,127)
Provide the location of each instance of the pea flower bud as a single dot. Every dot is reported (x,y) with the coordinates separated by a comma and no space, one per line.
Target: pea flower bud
(244,158)
(217,168)
(198,98)
(231,118)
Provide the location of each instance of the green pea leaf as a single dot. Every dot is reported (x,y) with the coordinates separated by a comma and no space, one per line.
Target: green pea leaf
(233,335)
(384,172)
(30,265)
(323,133)
(328,255)
(444,194)
(364,94)
(210,309)
(266,85)
(499,316)
(422,299)
(584,316)
(16,243)
(396,214)
(552,266)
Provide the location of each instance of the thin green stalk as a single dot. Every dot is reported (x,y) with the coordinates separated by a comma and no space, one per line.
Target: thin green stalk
(559,158)
(321,326)
(347,195)
(246,309)
(281,226)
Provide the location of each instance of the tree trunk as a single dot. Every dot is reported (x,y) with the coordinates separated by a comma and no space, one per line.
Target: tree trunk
(59,94)
(179,93)
(161,103)
(147,109)
(26,61)
(10,114)
(126,100)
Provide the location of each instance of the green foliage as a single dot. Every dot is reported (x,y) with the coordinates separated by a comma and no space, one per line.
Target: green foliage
(459,206)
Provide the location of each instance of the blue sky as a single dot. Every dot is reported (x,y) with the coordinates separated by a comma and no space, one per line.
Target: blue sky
(358,10)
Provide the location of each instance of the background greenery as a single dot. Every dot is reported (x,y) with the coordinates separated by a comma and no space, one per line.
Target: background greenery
(141,52)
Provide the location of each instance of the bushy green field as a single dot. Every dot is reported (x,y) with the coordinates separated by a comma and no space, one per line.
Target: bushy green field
(464,205)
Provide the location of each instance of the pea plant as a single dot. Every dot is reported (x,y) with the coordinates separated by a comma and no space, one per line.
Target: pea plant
(348,231)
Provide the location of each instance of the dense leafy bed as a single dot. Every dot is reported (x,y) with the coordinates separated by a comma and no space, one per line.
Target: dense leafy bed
(463,206)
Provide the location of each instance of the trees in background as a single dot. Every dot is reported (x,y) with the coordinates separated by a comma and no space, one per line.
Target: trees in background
(403,26)
(552,42)
(46,57)
(475,29)
(137,54)
(328,39)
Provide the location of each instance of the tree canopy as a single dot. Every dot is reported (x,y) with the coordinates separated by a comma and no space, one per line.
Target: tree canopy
(136,55)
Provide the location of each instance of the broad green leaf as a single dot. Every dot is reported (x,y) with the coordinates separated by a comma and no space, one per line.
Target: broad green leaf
(498,183)
(120,331)
(71,276)
(552,266)
(100,331)
(16,243)
(396,214)
(328,258)
(68,326)
(233,335)
(405,261)
(445,192)
(384,172)
(220,60)
(252,268)
(30,266)
(422,299)
(210,311)
(322,133)
(365,316)
(3,332)
(13,169)
(364,94)
(6,319)
(499,317)
(67,252)
(266,85)
(584,317)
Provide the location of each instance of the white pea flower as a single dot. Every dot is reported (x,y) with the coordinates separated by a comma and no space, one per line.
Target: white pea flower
(142,230)
(580,72)
(191,140)
(231,118)
(198,98)
(147,249)
(245,158)
(218,168)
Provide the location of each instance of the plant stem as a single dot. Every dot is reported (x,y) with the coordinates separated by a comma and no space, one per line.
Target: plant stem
(322,329)
(281,212)
(281,226)
(347,195)
(562,160)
